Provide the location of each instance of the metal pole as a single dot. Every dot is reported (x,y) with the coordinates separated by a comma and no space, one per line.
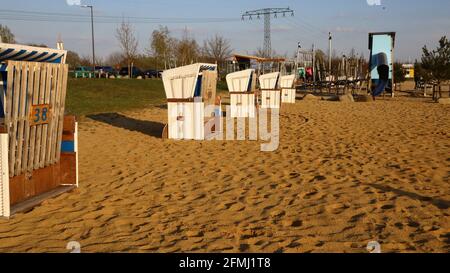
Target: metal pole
(329,54)
(267,41)
(314,64)
(93,43)
(92,31)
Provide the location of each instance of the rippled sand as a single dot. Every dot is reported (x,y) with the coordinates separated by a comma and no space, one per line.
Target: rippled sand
(344,174)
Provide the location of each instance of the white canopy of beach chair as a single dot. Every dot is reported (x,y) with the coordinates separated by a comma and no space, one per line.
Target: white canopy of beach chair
(181,82)
(31,53)
(287,81)
(269,81)
(240,81)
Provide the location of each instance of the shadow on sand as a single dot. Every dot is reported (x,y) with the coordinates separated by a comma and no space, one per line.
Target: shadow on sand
(150,128)
(439,203)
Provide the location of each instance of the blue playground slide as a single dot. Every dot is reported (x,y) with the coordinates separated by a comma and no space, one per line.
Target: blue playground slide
(383,71)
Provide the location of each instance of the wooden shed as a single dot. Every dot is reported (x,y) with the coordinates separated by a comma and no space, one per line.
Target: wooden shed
(38,142)
(242,86)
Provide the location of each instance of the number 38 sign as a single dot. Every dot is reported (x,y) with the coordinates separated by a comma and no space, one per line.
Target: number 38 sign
(40,114)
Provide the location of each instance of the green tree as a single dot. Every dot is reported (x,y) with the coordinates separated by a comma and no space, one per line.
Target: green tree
(437,62)
(6,35)
(420,73)
(161,46)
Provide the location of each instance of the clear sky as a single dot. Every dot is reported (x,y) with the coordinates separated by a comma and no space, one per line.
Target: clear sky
(416,22)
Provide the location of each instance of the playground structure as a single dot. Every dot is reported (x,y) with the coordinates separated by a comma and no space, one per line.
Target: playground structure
(288,91)
(306,65)
(381,64)
(191,101)
(38,143)
(270,93)
(242,86)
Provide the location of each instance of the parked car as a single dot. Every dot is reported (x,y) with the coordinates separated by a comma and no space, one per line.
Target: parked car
(105,71)
(152,73)
(135,71)
(83,72)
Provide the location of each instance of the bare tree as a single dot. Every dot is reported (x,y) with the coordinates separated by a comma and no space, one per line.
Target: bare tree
(128,42)
(187,49)
(6,36)
(262,54)
(116,59)
(217,48)
(73,59)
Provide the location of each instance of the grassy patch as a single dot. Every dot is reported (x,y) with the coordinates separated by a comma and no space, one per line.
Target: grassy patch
(93,96)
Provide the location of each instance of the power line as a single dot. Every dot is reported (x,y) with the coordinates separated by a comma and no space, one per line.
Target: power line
(317,34)
(18,15)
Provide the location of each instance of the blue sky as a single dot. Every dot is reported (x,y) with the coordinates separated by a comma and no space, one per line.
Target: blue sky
(416,22)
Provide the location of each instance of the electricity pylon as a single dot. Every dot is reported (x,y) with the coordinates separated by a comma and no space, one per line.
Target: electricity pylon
(267,12)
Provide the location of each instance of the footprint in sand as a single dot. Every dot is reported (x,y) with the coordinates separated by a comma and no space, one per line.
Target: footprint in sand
(291,222)
(337,208)
(277,213)
(357,217)
(309,193)
(387,207)
(237,207)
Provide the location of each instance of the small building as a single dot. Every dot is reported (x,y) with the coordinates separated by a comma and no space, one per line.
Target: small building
(408,71)
(239,62)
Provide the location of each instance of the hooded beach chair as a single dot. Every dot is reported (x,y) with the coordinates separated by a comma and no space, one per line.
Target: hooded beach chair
(241,86)
(192,102)
(288,91)
(38,143)
(270,92)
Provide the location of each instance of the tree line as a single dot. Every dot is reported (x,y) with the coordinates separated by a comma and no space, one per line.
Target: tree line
(165,51)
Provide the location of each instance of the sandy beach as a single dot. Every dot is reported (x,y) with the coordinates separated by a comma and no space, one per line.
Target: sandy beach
(344,174)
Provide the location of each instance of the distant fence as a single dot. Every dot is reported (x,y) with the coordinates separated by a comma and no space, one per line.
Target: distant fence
(439,90)
(34,104)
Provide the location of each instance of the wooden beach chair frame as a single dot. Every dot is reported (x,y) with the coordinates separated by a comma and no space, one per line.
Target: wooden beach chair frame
(38,143)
